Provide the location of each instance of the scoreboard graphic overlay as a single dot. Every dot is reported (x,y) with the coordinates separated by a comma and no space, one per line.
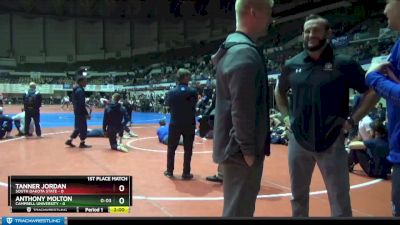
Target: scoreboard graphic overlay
(75,194)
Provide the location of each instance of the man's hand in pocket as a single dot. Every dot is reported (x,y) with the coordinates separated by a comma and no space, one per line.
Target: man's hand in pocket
(249,159)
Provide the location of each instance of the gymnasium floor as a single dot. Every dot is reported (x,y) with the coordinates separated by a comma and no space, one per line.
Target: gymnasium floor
(154,195)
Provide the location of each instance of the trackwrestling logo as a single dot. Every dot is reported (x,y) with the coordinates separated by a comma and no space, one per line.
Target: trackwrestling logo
(33,220)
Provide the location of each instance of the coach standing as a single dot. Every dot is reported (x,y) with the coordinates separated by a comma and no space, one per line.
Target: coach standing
(182,102)
(320,80)
(80,112)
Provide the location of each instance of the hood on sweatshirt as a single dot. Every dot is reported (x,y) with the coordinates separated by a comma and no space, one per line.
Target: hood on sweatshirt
(233,39)
(114,106)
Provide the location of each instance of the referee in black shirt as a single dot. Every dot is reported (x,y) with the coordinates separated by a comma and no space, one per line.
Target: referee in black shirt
(182,103)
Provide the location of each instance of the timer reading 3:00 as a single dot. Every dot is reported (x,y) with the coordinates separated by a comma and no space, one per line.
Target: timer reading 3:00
(118,209)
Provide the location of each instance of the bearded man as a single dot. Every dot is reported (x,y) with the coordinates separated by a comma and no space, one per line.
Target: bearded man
(318,116)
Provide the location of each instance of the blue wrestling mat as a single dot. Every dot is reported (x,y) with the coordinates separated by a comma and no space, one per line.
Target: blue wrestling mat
(67,119)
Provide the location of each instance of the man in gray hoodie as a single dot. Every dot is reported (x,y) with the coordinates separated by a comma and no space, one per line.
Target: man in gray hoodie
(241,129)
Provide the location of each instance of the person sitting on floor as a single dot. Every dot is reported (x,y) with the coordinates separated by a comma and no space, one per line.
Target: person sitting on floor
(5,125)
(97,132)
(372,153)
(19,122)
(162,133)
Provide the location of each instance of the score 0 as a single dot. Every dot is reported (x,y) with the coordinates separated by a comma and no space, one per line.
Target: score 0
(121,188)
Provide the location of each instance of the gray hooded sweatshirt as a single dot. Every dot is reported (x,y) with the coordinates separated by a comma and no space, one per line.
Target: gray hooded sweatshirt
(241,113)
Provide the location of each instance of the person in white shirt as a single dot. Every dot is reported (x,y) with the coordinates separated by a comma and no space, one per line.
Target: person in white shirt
(103,102)
(19,122)
(65,102)
(364,128)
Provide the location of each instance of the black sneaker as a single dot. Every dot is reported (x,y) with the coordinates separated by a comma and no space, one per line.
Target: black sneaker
(187,176)
(83,145)
(168,174)
(214,178)
(69,142)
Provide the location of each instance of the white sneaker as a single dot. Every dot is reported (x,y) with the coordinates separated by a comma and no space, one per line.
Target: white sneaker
(122,148)
(133,134)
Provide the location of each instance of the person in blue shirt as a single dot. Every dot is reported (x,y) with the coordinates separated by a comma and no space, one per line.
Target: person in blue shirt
(372,154)
(5,125)
(162,133)
(385,79)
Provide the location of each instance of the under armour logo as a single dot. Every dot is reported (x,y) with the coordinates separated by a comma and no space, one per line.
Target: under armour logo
(298,70)
(328,67)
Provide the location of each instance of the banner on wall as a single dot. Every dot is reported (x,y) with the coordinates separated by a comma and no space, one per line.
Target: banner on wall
(21,88)
(50,88)
(90,88)
(45,89)
(58,87)
(342,41)
(67,86)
